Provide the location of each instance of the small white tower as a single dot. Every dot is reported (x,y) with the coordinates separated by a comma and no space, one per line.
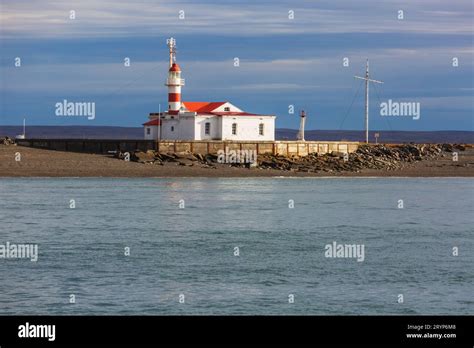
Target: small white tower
(22,136)
(300,135)
(174,80)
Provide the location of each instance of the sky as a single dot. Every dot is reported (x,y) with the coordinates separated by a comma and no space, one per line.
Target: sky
(283,60)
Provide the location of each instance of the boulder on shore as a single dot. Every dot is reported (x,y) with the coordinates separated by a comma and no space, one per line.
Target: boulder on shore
(143,157)
(382,157)
(7,141)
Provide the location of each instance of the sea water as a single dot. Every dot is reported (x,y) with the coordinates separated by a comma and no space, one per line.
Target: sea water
(238,246)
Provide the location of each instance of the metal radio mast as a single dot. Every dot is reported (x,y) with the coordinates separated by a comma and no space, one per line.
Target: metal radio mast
(367,80)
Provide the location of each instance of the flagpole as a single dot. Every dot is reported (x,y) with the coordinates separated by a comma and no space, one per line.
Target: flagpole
(158,135)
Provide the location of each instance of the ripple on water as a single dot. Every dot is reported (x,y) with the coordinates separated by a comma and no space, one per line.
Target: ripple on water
(191,251)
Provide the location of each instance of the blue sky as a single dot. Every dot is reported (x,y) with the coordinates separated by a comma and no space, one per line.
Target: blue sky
(282,61)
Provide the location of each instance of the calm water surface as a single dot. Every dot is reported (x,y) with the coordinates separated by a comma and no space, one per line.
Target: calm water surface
(190,251)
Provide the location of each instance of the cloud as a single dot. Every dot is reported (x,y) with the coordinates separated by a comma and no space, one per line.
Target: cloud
(408,71)
(123,18)
(272,87)
(446,103)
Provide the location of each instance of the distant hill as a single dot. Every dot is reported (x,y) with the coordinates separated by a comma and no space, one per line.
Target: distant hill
(105,132)
(77,132)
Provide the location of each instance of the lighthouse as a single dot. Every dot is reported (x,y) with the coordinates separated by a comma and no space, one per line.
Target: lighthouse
(203,120)
(174,80)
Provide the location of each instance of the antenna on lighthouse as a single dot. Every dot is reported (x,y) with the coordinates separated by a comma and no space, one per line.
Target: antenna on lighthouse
(171,42)
(367,80)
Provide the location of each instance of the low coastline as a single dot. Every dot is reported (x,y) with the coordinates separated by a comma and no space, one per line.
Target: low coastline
(49,163)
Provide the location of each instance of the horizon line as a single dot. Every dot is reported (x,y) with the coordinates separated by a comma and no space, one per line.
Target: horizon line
(288,129)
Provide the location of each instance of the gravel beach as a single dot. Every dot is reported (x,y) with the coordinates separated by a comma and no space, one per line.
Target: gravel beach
(47,163)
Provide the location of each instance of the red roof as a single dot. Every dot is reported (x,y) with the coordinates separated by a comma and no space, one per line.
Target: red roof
(230,113)
(202,106)
(154,122)
(209,107)
(175,67)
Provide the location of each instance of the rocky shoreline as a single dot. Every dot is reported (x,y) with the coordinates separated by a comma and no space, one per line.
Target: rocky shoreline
(380,157)
(408,160)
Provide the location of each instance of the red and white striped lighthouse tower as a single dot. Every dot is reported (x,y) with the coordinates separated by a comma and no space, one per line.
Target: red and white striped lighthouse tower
(174,80)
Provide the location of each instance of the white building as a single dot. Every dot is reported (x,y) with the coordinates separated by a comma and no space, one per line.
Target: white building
(204,120)
(210,121)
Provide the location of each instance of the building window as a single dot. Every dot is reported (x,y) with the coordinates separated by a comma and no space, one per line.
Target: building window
(148,131)
(260,128)
(227,108)
(234,128)
(172,128)
(207,128)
